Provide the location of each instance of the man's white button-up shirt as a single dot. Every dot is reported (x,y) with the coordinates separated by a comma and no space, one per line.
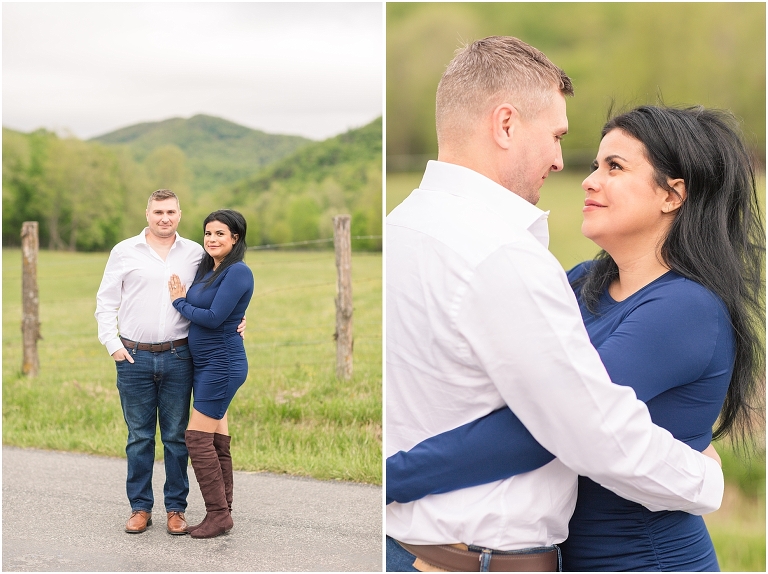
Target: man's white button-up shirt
(133,299)
(480,314)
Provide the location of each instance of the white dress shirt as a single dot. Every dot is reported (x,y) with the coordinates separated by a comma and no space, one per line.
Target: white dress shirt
(133,300)
(480,314)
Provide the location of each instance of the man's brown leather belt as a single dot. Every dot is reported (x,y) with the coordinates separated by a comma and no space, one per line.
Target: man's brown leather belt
(457,560)
(155,347)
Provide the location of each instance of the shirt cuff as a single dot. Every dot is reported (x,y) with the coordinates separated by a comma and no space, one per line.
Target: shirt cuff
(114,345)
(711,495)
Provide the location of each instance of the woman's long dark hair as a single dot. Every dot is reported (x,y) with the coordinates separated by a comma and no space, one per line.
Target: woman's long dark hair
(237,226)
(716,239)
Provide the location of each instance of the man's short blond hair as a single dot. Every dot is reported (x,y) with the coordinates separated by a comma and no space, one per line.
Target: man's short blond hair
(490,72)
(161,195)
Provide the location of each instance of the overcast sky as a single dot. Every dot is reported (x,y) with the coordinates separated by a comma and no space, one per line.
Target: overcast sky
(310,69)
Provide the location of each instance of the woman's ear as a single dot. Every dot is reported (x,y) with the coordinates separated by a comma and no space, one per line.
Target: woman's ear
(675,196)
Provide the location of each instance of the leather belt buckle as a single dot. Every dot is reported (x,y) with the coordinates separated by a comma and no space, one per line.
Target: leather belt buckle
(156,347)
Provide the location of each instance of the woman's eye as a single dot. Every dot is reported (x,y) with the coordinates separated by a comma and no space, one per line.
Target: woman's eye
(613,165)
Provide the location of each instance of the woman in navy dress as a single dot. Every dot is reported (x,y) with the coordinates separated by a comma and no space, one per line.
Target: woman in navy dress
(674,304)
(215,305)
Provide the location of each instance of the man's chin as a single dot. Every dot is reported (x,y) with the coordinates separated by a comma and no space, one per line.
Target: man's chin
(533,196)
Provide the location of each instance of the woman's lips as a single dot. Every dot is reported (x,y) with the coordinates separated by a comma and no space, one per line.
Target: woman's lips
(591,205)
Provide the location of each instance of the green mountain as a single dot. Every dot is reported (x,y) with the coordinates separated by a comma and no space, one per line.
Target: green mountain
(217,151)
(295,198)
(344,157)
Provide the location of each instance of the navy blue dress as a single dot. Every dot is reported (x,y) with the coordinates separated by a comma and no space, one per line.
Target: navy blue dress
(218,354)
(673,343)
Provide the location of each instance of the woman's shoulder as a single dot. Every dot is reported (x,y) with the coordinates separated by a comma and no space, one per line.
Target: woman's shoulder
(579,270)
(240,271)
(682,289)
(675,296)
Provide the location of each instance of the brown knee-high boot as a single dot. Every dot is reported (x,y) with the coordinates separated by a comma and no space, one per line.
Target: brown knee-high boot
(205,462)
(221,443)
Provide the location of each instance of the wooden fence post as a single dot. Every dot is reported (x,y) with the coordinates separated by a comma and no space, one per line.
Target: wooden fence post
(30,322)
(344,342)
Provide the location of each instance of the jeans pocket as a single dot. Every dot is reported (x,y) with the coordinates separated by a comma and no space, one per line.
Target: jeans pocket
(182,353)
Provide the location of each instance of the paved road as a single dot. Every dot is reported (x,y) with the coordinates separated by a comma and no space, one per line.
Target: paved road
(66,512)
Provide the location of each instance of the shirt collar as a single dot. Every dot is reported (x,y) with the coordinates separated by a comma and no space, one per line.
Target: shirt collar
(469,184)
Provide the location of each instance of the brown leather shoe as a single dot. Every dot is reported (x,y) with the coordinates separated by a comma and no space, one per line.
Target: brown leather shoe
(138,521)
(177,524)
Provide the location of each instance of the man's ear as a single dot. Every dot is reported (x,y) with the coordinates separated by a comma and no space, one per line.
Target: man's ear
(676,197)
(504,121)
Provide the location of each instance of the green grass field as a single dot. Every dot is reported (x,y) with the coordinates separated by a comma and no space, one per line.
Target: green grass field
(738,528)
(291,416)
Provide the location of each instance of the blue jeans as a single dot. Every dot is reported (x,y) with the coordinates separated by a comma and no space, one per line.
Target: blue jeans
(156,386)
(400,560)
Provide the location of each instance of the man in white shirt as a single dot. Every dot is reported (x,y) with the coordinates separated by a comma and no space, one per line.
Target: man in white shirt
(147,338)
(480,314)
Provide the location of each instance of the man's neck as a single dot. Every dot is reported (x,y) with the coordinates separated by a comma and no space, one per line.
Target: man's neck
(161,245)
(476,162)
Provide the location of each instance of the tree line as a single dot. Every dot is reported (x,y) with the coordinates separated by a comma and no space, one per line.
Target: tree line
(88,196)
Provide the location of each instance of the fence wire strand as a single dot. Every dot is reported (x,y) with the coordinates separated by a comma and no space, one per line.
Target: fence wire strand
(307,242)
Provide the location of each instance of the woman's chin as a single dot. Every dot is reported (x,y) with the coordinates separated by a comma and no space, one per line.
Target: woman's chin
(591,233)
(587,230)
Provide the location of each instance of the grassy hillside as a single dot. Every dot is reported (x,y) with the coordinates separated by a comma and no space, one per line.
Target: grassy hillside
(296,198)
(217,151)
(342,157)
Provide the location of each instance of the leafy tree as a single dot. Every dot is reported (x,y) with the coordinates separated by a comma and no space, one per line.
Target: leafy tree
(79,195)
(302,218)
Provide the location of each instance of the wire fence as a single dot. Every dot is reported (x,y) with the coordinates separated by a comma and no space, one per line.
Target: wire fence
(307,242)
